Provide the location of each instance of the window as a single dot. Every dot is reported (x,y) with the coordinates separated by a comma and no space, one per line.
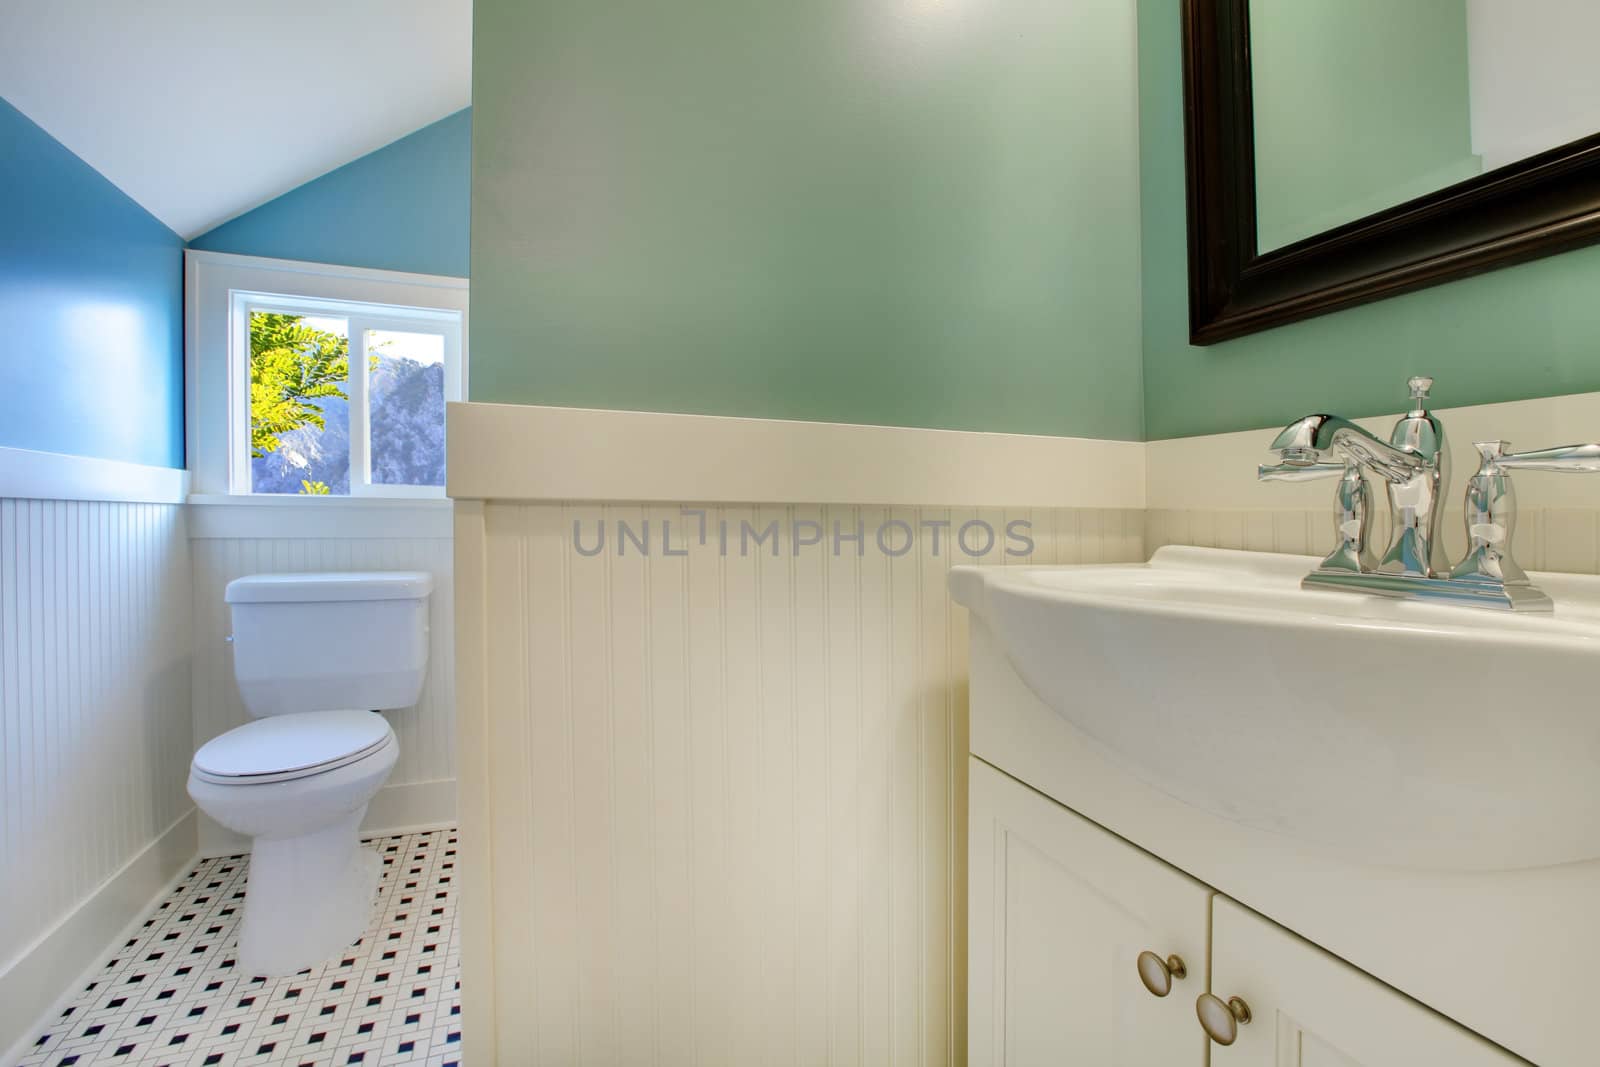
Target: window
(309,381)
(341,398)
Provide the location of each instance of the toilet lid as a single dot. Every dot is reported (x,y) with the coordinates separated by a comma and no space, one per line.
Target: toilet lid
(281,747)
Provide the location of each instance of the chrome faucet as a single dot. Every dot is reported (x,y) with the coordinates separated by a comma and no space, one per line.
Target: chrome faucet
(1414,464)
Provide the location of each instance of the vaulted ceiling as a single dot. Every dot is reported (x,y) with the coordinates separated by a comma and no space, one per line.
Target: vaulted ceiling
(202,109)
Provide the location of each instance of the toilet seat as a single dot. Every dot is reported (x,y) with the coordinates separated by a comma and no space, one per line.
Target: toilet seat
(282,748)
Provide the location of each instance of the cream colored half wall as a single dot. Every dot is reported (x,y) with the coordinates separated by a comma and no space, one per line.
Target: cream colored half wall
(1203,490)
(719,798)
(713,802)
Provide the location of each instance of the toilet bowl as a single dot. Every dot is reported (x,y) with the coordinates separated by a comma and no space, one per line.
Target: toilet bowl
(311,652)
(299,785)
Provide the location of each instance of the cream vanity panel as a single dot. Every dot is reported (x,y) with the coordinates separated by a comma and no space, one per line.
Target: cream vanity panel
(1311,1009)
(1059,912)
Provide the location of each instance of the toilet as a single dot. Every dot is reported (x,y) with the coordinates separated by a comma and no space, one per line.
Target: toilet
(317,658)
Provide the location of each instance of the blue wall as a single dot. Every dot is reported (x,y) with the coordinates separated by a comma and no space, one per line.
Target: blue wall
(403,207)
(91,298)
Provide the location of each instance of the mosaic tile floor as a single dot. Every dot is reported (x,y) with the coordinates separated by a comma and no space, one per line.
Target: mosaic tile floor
(170,997)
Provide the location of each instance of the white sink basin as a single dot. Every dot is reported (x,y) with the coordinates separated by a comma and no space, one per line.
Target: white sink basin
(1394,732)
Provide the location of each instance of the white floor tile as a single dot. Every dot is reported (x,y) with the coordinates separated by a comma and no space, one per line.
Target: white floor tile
(171,996)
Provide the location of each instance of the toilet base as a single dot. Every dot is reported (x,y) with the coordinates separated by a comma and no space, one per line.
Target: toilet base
(307,898)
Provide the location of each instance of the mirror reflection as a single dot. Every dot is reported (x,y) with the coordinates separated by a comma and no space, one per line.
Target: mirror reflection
(1364,104)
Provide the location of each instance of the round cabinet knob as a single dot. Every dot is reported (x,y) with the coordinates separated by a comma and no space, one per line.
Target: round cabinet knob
(1157,973)
(1221,1020)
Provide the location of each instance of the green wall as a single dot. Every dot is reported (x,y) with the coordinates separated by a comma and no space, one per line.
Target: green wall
(903,212)
(1328,74)
(1531,330)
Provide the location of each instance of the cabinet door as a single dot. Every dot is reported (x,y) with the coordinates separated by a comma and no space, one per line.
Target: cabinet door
(1311,1009)
(1058,912)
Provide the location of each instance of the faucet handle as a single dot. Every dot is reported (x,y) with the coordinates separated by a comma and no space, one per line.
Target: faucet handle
(1350,509)
(1496,456)
(1420,385)
(1490,511)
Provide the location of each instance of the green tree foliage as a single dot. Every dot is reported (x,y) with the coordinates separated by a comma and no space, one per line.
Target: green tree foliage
(291,366)
(313,488)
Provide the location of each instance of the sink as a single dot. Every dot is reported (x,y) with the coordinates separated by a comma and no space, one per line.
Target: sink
(1392,732)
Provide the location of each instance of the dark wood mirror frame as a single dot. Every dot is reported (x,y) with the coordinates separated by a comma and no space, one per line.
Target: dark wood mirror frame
(1536,207)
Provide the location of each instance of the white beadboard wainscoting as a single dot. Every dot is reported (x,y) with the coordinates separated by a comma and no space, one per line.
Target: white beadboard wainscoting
(728,801)
(234,538)
(95,727)
(714,803)
(1546,539)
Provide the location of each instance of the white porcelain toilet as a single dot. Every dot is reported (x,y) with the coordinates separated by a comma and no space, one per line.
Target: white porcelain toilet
(316,656)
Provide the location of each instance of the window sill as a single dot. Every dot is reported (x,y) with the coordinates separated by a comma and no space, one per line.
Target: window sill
(278,500)
(216,515)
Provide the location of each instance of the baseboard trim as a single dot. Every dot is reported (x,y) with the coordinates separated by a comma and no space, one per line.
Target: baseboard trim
(412,806)
(40,980)
(406,807)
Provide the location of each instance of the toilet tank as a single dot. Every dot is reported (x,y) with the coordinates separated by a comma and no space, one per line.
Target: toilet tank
(322,642)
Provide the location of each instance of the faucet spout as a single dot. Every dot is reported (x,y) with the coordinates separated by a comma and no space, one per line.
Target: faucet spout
(1319,438)
(1414,463)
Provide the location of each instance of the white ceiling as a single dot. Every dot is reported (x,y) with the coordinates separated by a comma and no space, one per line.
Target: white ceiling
(203,109)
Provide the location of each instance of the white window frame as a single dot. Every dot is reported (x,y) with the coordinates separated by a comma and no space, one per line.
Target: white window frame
(220,291)
(360,317)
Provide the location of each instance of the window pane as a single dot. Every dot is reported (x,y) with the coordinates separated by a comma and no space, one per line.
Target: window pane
(406,394)
(299,404)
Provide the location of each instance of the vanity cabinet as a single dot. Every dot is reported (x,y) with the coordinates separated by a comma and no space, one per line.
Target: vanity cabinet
(1060,910)
(1311,1009)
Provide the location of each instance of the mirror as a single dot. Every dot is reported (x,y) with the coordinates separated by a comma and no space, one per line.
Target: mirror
(1347,150)
(1364,104)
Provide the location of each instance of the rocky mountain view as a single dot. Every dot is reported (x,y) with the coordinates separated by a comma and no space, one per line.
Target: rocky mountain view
(407,422)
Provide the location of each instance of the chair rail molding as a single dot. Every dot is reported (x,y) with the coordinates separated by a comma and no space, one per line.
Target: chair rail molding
(526,452)
(29,475)
(1218,471)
